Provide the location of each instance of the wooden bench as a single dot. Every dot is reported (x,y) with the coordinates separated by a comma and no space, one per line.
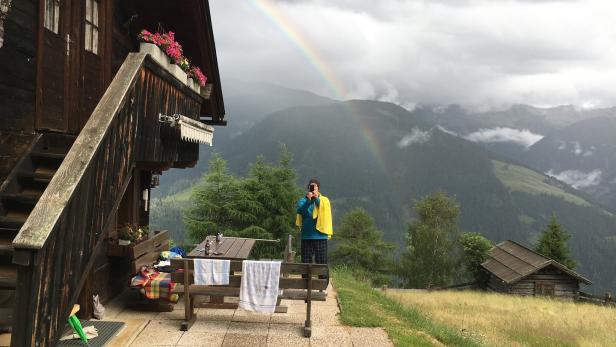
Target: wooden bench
(293,286)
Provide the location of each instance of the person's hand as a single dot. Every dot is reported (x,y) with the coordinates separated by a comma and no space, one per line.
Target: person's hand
(310,195)
(315,192)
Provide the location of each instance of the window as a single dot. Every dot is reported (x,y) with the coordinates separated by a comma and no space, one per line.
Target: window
(91,34)
(52,15)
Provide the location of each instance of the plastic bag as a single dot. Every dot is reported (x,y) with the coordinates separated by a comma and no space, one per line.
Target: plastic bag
(99,309)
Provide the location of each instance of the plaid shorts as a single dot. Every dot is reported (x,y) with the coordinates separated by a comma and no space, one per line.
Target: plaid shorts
(316,248)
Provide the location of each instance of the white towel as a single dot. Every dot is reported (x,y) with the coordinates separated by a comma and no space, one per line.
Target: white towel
(259,288)
(212,272)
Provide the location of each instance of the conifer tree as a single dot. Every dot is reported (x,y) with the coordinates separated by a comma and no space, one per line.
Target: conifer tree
(430,242)
(260,205)
(219,204)
(359,245)
(553,244)
(274,189)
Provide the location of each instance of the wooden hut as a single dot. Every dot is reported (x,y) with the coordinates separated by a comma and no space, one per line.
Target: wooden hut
(515,269)
(82,132)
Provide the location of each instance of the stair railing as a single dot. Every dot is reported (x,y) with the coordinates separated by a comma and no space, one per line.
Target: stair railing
(56,247)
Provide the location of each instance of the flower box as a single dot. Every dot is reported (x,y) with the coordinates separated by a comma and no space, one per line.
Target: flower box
(193,84)
(161,58)
(135,250)
(156,53)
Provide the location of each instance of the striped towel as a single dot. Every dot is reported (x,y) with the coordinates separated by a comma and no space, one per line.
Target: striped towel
(259,287)
(212,272)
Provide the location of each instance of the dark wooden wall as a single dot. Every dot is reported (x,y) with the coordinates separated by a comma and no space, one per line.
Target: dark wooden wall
(565,286)
(18,67)
(495,284)
(111,275)
(17,83)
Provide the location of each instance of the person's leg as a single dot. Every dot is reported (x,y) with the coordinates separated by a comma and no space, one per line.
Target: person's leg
(320,256)
(306,251)
(320,251)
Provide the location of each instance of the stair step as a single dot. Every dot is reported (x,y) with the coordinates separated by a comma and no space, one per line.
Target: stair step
(48,154)
(8,277)
(12,221)
(37,177)
(8,230)
(22,198)
(6,247)
(45,172)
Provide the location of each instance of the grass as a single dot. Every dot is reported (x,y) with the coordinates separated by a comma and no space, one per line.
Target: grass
(521,179)
(505,320)
(362,306)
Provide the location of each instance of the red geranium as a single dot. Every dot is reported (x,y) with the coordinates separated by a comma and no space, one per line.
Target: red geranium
(173,49)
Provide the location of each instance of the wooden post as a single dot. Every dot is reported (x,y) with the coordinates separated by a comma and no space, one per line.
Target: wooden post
(308,324)
(289,254)
(189,317)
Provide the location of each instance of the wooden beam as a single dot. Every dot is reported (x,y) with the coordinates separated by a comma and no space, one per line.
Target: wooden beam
(154,165)
(184,164)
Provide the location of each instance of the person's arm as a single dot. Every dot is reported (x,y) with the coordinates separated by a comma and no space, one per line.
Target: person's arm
(302,206)
(318,200)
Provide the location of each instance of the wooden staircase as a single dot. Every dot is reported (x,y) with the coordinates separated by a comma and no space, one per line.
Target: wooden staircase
(18,195)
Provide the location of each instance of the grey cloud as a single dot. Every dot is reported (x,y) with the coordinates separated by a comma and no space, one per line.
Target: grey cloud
(488,53)
(578,179)
(522,137)
(415,136)
(446,131)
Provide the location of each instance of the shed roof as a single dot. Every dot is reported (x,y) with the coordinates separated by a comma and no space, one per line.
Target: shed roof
(512,262)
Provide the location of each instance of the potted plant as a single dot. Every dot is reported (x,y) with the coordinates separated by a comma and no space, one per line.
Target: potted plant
(164,49)
(132,233)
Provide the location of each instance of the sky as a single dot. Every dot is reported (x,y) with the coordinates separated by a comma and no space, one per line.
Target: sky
(482,53)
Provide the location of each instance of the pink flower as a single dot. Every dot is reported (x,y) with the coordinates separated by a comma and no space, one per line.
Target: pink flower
(196,73)
(173,49)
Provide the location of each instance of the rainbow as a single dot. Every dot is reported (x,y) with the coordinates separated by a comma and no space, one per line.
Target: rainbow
(312,56)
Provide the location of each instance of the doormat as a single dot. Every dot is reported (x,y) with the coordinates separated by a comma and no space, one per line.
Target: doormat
(107,330)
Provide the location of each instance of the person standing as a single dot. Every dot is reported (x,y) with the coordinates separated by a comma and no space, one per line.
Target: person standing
(314,218)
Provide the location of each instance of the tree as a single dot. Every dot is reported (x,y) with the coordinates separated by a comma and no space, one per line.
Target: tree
(219,204)
(475,250)
(260,205)
(360,246)
(275,189)
(553,244)
(430,242)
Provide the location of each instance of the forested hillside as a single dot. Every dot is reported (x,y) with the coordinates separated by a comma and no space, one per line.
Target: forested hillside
(381,157)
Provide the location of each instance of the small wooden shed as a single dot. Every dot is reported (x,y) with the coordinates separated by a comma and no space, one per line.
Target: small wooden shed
(515,269)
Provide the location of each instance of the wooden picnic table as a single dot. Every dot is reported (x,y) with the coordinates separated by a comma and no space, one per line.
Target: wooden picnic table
(232,248)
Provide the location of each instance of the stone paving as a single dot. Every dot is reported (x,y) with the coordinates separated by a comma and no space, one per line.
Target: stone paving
(237,328)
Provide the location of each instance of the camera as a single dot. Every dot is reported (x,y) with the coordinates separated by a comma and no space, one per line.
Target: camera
(311,187)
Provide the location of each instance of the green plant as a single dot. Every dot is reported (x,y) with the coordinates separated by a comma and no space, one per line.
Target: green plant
(133,232)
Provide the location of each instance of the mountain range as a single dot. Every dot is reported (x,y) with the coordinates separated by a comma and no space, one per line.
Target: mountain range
(383,157)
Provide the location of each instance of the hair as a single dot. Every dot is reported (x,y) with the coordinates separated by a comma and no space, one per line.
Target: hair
(315,181)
